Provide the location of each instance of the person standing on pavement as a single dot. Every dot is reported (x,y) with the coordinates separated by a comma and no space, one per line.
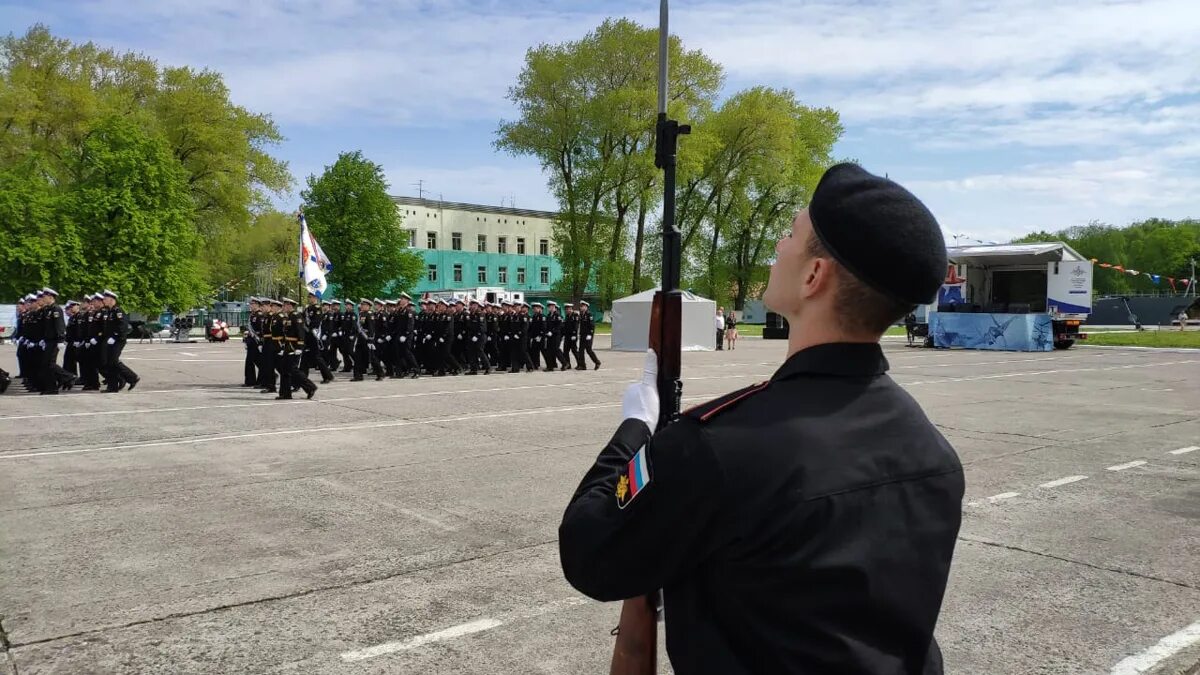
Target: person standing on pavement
(731,334)
(720,324)
(805,524)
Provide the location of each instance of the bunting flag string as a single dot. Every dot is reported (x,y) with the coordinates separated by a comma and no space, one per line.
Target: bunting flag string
(1155,279)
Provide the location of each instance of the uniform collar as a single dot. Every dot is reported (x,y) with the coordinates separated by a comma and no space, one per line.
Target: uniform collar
(839,359)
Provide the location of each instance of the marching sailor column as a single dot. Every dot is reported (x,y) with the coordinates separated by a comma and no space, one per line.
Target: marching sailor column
(312,341)
(291,328)
(116,330)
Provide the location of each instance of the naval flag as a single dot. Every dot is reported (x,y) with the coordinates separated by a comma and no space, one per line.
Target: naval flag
(313,263)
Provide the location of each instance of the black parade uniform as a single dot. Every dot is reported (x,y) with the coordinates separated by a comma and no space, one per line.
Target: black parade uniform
(289,334)
(406,333)
(364,349)
(346,338)
(805,524)
(570,339)
(115,333)
(252,340)
(312,344)
(553,332)
(587,331)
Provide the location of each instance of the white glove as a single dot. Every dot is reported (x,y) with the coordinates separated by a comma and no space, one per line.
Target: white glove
(641,398)
(388,338)
(441,339)
(474,339)
(112,341)
(42,344)
(403,338)
(428,336)
(370,346)
(94,341)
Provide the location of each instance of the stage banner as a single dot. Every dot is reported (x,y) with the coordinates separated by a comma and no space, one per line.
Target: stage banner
(999,332)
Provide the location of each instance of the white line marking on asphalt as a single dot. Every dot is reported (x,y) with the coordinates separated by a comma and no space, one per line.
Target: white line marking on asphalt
(1166,647)
(1047,372)
(1063,481)
(457,631)
(1127,465)
(344,399)
(413,642)
(190,354)
(144,358)
(313,430)
(1184,451)
(1003,495)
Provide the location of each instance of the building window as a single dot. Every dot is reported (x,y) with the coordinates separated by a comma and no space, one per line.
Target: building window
(456,241)
(521,245)
(482,274)
(432,273)
(543,247)
(502,275)
(501,244)
(458,273)
(520,275)
(481,243)
(544,275)
(431,240)
(412,238)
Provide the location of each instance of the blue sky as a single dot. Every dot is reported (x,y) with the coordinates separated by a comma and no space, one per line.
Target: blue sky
(1005,117)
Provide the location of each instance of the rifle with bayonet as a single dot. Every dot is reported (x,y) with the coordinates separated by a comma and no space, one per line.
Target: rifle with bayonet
(636,649)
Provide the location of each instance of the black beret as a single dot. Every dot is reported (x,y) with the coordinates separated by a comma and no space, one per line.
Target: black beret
(880,232)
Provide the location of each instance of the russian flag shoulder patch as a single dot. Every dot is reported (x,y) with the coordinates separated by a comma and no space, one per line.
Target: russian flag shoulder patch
(634,480)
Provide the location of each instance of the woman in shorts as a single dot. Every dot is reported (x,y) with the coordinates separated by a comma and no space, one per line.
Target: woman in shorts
(730,330)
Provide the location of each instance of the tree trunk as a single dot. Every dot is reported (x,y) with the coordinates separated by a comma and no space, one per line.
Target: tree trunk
(639,241)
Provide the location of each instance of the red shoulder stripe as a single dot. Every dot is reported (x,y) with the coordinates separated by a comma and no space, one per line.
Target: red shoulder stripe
(753,390)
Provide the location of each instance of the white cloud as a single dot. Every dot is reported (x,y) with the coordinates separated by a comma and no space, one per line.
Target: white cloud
(1000,206)
(521,184)
(1074,109)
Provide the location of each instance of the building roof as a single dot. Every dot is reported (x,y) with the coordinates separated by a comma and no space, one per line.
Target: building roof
(1014,254)
(480,208)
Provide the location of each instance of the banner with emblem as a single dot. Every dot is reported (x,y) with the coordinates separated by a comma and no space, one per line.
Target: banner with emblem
(313,262)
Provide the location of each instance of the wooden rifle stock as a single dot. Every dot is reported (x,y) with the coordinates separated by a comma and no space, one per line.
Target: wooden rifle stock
(636,648)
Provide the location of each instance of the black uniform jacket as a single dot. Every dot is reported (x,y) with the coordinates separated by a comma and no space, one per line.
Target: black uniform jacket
(803,525)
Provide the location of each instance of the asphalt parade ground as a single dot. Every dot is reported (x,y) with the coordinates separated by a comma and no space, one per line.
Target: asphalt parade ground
(193,526)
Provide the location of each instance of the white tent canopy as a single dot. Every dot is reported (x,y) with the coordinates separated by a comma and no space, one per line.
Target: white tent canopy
(631,322)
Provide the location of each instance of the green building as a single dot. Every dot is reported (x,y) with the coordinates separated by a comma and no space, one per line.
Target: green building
(470,246)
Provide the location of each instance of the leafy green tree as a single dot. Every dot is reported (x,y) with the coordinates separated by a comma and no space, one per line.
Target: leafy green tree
(1153,246)
(54,93)
(136,220)
(587,112)
(359,228)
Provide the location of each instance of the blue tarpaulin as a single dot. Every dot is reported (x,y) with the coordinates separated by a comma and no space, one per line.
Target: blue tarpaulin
(1001,332)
